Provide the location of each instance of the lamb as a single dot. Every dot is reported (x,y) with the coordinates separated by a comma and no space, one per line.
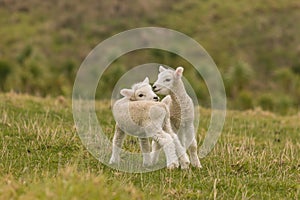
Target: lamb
(140,113)
(181,110)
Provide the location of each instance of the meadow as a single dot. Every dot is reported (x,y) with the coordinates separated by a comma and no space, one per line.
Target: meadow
(254,45)
(42,157)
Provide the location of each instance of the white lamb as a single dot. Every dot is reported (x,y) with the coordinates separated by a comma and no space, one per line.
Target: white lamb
(138,114)
(181,110)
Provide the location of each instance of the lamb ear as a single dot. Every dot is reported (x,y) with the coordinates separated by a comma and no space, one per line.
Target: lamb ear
(161,69)
(146,80)
(178,72)
(127,92)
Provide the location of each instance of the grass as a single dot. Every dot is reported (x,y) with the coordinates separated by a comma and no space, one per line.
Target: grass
(41,157)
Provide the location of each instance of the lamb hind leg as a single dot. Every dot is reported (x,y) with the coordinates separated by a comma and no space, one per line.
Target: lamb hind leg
(118,139)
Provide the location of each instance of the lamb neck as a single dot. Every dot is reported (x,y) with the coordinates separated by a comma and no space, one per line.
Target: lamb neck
(180,95)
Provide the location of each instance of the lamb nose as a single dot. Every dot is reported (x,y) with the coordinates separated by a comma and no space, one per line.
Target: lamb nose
(156,98)
(153,87)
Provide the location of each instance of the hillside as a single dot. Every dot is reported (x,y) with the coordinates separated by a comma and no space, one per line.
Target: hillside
(42,157)
(255,45)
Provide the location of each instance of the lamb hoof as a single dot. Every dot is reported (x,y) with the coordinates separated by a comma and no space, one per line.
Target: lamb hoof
(185,165)
(184,161)
(173,166)
(113,161)
(197,164)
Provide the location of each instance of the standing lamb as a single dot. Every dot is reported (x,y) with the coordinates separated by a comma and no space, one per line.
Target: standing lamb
(181,110)
(138,114)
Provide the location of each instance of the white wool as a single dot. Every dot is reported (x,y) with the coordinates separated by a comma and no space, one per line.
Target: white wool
(144,117)
(181,109)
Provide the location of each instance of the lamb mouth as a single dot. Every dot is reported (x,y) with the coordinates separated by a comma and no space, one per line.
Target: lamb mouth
(156,90)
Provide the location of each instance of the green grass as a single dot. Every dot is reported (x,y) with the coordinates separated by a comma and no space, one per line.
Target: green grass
(42,157)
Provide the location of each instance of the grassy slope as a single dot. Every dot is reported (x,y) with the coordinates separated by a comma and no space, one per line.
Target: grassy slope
(262,33)
(42,157)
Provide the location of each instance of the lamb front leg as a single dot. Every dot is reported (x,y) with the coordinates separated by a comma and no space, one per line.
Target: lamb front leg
(193,154)
(145,146)
(118,139)
(192,148)
(166,141)
(155,152)
(181,152)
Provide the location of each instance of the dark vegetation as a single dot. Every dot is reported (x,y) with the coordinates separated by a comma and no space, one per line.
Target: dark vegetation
(255,45)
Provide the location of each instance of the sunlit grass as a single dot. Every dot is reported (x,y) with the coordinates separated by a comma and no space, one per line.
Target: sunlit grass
(257,157)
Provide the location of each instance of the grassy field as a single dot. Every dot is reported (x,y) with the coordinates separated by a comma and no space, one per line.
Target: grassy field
(42,157)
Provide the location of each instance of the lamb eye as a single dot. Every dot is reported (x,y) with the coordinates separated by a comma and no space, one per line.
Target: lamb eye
(168,80)
(141,95)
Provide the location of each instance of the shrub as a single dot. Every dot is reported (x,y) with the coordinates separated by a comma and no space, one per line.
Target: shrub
(25,53)
(238,77)
(284,77)
(108,81)
(279,103)
(297,89)
(5,71)
(296,68)
(245,100)
(69,70)
(284,104)
(266,102)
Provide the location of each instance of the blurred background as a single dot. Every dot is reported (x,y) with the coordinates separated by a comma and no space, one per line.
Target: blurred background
(256,45)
